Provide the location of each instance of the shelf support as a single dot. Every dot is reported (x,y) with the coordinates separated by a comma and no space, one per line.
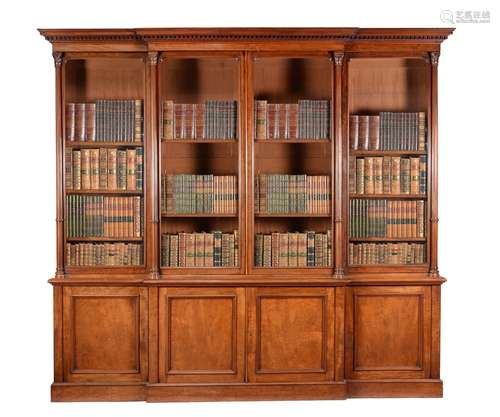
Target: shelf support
(433,215)
(338,151)
(60,250)
(151,151)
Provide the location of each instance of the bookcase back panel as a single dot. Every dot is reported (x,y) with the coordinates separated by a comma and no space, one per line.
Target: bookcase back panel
(286,80)
(217,159)
(104,78)
(310,159)
(194,80)
(388,84)
(299,224)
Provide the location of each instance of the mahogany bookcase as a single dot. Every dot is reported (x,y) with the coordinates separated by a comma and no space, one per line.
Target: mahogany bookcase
(157,333)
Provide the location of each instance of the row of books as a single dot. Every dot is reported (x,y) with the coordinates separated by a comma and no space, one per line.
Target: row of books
(103,216)
(104,254)
(307,119)
(386,253)
(104,169)
(388,175)
(200,249)
(105,121)
(402,131)
(386,218)
(185,193)
(213,119)
(282,250)
(277,193)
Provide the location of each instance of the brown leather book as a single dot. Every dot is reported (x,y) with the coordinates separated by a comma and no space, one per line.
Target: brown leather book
(374,132)
(396,175)
(352,174)
(90,122)
(354,131)
(360,175)
(378,174)
(80,122)
(386,174)
(112,168)
(364,132)
(94,169)
(414,175)
(168,120)
(70,122)
(85,170)
(131,165)
(369,176)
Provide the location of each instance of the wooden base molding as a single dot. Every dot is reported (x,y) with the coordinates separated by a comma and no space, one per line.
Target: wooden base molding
(416,388)
(96,392)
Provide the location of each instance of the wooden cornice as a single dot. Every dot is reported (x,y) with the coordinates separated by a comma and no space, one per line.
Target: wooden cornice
(245,35)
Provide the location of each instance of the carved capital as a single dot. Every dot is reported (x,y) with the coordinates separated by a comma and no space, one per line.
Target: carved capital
(434,58)
(338,58)
(153,58)
(58,58)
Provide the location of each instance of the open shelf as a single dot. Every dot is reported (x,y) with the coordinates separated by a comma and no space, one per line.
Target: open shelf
(70,144)
(187,215)
(104,239)
(105,192)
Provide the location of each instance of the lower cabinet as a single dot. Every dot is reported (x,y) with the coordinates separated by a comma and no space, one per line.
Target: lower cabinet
(290,334)
(388,332)
(105,334)
(201,335)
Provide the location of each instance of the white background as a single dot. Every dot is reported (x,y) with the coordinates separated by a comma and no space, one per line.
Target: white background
(469,209)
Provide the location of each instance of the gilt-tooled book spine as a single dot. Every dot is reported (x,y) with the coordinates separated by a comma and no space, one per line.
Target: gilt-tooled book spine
(90,122)
(94,169)
(85,169)
(131,167)
(423,175)
(80,122)
(369,184)
(139,168)
(260,119)
(396,175)
(209,249)
(168,120)
(68,168)
(70,123)
(378,175)
(121,169)
(77,173)
(139,121)
(421,131)
(405,176)
(360,175)
(354,131)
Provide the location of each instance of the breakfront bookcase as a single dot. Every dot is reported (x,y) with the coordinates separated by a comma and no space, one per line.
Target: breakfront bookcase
(246,214)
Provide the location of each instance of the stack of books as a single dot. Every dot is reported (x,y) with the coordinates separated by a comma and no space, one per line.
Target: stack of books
(386,218)
(388,175)
(397,131)
(386,253)
(104,254)
(307,119)
(104,169)
(276,193)
(105,121)
(103,216)
(185,193)
(283,250)
(213,119)
(200,249)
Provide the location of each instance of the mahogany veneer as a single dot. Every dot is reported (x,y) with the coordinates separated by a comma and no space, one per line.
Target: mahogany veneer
(248,333)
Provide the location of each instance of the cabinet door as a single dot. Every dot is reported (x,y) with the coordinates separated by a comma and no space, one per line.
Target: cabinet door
(105,334)
(201,334)
(388,332)
(291,334)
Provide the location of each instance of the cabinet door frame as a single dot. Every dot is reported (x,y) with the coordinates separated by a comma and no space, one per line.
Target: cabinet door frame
(237,371)
(422,368)
(326,371)
(71,373)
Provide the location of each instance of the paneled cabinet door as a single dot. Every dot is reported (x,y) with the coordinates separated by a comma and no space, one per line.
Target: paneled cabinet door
(388,332)
(291,334)
(201,334)
(105,334)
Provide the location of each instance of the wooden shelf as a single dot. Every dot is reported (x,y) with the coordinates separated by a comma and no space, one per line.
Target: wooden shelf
(104,144)
(199,215)
(360,152)
(292,215)
(390,196)
(387,239)
(104,239)
(105,192)
(199,141)
(308,141)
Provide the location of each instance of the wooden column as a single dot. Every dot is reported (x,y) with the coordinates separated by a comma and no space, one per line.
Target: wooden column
(338,151)
(151,151)
(58,62)
(433,170)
